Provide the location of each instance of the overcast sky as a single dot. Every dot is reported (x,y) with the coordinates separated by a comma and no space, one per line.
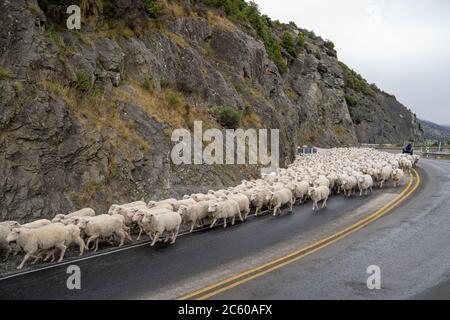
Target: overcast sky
(401,45)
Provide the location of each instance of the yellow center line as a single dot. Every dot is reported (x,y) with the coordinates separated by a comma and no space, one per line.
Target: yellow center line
(320,245)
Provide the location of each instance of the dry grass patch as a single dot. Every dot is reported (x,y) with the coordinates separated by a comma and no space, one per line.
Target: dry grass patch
(163,109)
(99,113)
(221,22)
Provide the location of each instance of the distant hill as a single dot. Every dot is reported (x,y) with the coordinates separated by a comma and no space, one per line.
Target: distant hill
(433,131)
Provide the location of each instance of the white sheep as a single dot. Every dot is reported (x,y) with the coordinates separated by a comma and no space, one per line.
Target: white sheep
(322,181)
(86,212)
(193,215)
(126,211)
(164,223)
(397,176)
(279,198)
(319,194)
(73,238)
(32,241)
(103,227)
(226,209)
(300,191)
(243,202)
(5,229)
(348,184)
(140,213)
(416,159)
(365,183)
(259,200)
(185,202)
(385,175)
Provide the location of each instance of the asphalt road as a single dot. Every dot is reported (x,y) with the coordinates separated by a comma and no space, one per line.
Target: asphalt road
(410,245)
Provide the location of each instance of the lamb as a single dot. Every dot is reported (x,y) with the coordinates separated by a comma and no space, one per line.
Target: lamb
(322,181)
(47,237)
(300,191)
(244,203)
(125,211)
(348,184)
(86,212)
(365,182)
(386,173)
(397,176)
(259,200)
(165,223)
(5,229)
(279,198)
(140,213)
(73,238)
(194,214)
(185,202)
(103,226)
(416,159)
(223,210)
(319,194)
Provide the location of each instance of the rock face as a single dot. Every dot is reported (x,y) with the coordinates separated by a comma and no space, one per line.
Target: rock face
(86,116)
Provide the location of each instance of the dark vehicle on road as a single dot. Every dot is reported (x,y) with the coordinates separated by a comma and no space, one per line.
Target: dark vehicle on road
(408,149)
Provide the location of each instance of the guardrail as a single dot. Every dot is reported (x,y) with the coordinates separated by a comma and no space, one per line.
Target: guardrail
(435,155)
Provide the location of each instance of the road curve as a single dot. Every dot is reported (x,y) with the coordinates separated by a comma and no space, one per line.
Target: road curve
(199,260)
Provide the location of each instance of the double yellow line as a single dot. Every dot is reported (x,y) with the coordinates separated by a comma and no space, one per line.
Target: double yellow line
(261,270)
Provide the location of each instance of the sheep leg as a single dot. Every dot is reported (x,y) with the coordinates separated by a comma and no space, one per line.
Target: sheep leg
(51,254)
(140,233)
(324,205)
(80,243)
(63,248)
(290,207)
(240,217)
(122,235)
(25,259)
(96,244)
(155,239)
(193,225)
(36,259)
(175,235)
(224,222)
(166,239)
(91,238)
(275,210)
(213,223)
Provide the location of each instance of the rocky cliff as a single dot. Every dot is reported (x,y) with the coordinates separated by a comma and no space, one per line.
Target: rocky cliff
(86,116)
(435,132)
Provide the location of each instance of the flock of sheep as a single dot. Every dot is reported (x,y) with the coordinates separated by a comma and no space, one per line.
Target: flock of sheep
(315,177)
